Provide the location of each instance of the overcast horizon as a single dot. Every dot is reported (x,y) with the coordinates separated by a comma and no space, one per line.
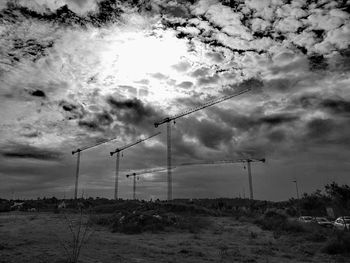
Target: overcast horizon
(76,72)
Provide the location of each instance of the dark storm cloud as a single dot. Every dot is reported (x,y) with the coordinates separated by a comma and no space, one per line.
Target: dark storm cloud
(276,119)
(73,111)
(255,121)
(38,93)
(313,101)
(336,106)
(32,49)
(280,84)
(317,62)
(212,135)
(106,13)
(277,136)
(97,121)
(25,151)
(34,134)
(104,118)
(133,111)
(177,11)
(341,62)
(254,84)
(319,128)
(90,125)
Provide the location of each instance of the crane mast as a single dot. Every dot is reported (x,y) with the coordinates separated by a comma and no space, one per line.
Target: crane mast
(168,120)
(78,151)
(143,171)
(248,161)
(134,185)
(117,151)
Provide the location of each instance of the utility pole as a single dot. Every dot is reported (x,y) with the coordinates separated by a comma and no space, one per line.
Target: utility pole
(170,179)
(78,151)
(77,175)
(117,151)
(250,180)
(296,187)
(248,161)
(168,121)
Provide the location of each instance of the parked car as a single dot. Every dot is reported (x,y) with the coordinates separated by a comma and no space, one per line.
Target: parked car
(342,223)
(324,222)
(305,219)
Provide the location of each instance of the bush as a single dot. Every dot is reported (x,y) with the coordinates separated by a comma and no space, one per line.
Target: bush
(278,222)
(134,223)
(5,207)
(338,243)
(140,221)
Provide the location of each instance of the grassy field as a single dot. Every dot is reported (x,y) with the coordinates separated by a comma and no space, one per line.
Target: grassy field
(38,237)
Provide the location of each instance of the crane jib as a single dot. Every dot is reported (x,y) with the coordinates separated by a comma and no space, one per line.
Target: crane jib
(134,143)
(92,146)
(205,105)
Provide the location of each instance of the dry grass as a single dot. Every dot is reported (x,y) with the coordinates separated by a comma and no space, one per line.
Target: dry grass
(225,240)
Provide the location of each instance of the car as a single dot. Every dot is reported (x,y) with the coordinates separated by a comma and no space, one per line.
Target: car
(324,222)
(305,219)
(342,223)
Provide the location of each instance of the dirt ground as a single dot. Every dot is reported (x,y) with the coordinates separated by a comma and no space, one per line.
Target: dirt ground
(36,237)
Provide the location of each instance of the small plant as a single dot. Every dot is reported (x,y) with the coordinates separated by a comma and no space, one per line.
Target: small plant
(80,233)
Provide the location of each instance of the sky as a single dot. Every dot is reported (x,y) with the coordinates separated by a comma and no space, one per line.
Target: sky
(74,73)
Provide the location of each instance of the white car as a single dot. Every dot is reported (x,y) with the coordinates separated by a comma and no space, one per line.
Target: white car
(306,219)
(342,223)
(324,222)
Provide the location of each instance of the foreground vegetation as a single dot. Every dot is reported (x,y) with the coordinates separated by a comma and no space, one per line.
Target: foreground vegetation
(197,217)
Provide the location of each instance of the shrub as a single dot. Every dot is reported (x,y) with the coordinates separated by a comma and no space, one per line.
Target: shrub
(278,222)
(5,207)
(338,243)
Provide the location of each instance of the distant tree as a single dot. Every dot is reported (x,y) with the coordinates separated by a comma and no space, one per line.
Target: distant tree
(340,195)
(314,202)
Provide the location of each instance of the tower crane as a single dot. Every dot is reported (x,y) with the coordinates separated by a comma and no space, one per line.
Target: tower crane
(168,120)
(117,151)
(145,171)
(248,161)
(78,151)
(134,185)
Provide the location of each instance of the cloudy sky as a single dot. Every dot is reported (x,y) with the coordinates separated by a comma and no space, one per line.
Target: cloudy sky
(76,72)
